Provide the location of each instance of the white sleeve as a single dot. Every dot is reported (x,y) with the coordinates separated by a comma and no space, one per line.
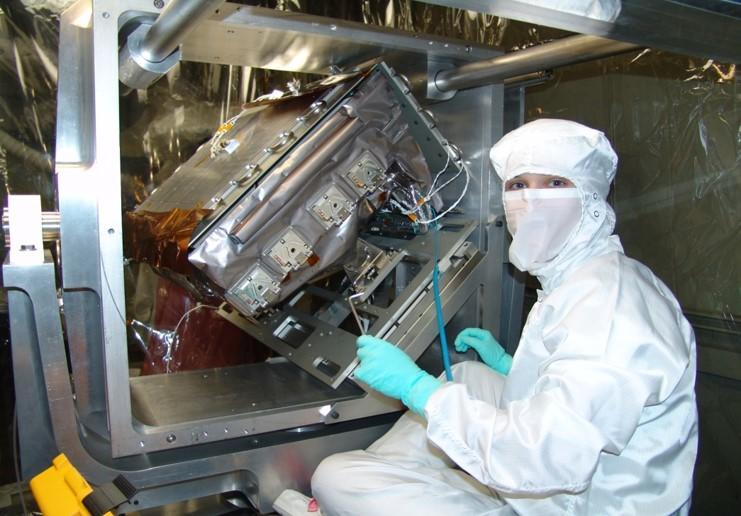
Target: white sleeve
(547,443)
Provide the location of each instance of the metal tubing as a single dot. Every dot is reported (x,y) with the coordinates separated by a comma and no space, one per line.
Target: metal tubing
(528,79)
(173,24)
(570,50)
(16,147)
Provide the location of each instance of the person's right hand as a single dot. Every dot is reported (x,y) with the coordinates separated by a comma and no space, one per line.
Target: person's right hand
(491,352)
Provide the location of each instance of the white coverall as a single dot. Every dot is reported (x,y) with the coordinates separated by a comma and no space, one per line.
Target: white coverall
(597,414)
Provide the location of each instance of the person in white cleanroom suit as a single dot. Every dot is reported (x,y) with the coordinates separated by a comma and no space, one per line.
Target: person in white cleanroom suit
(594,414)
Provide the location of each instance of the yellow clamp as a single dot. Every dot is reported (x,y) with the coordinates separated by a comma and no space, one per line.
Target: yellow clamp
(62,491)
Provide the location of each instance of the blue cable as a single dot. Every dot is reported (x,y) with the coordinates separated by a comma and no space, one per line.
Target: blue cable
(439,305)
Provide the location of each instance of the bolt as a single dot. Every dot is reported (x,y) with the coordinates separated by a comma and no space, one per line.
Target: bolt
(106,15)
(334,414)
(170,438)
(159,4)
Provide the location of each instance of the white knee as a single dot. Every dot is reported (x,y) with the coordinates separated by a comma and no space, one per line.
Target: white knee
(462,370)
(332,474)
(482,381)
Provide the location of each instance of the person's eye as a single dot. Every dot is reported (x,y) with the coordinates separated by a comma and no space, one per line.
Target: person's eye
(517,185)
(558,183)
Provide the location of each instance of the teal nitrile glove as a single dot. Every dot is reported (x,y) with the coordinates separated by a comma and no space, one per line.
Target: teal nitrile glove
(490,351)
(392,372)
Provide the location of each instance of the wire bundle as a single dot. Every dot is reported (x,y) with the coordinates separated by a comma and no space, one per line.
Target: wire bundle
(416,212)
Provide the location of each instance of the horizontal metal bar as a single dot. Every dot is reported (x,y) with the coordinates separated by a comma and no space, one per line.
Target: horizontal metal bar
(570,50)
(528,79)
(177,19)
(701,29)
(246,35)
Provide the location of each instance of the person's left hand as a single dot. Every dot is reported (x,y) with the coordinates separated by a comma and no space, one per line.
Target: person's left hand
(389,370)
(490,351)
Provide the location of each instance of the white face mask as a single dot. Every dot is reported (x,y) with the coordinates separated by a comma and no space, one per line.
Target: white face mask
(540,221)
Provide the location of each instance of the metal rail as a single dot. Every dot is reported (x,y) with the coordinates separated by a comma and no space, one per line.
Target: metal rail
(566,51)
(173,24)
(151,50)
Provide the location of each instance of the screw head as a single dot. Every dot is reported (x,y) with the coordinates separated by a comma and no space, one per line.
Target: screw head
(159,4)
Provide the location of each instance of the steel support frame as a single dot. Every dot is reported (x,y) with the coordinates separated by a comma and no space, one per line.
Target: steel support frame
(88,169)
(258,467)
(686,27)
(91,421)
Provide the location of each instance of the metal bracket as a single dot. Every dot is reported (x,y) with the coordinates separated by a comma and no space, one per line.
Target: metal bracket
(255,291)
(290,251)
(332,207)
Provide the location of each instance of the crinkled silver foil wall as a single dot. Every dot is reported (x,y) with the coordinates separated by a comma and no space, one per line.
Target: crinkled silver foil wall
(674,121)
(675,124)
(162,127)
(29,36)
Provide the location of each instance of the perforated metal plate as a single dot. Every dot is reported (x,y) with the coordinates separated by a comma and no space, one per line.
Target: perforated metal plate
(332,207)
(290,251)
(366,174)
(255,291)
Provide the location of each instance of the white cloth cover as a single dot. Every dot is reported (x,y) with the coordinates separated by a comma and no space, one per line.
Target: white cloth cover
(293,503)
(597,414)
(603,10)
(404,473)
(598,411)
(541,222)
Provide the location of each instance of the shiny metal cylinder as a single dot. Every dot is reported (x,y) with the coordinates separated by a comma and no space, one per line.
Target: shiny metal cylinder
(528,79)
(173,24)
(50,223)
(570,50)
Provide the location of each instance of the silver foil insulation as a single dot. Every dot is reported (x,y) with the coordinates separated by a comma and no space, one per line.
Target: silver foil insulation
(290,197)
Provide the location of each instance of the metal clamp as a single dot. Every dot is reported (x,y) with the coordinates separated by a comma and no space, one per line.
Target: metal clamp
(405,80)
(317,107)
(432,119)
(251,170)
(283,140)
